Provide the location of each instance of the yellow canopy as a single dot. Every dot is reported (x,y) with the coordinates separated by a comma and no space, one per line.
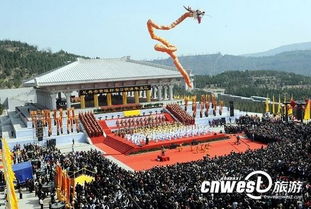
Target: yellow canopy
(131,113)
(84,178)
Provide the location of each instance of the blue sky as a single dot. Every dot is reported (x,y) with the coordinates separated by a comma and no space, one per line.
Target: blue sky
(117,28)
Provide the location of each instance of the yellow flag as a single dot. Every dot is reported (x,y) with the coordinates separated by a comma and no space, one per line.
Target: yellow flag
(279,106)
(290,110)
(273,105)
(307,111)
(267,105)
(9,175)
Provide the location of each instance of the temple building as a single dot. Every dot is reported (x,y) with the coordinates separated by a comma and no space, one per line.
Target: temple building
(104,82)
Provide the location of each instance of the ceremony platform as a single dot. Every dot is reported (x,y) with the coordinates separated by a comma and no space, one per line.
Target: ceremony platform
(126,147)
(148,160)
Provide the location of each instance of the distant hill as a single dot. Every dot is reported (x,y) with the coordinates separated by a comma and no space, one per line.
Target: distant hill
(258,83)
(295,61)
(19,61)
(281,49)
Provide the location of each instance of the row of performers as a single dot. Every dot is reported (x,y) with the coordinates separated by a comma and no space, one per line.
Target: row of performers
(180,114)
(133,130)
(91,124)
(140,121)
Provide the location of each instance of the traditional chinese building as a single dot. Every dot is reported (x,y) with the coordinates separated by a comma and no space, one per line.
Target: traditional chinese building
(105,82)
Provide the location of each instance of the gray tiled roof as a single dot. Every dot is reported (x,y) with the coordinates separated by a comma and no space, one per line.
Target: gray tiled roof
(102,70)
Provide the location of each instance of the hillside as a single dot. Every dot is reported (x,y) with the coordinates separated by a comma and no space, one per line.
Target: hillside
(19,61)
(281,49)
(295,61)
(259,83)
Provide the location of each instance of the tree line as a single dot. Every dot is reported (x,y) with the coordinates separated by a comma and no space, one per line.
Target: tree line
(20,61)
(258,83)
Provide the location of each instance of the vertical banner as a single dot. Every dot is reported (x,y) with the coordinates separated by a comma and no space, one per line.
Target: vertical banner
(68,190)
(267,103)
(9,175)
(307,111)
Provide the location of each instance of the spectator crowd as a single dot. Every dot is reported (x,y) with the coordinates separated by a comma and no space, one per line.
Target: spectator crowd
(178,186)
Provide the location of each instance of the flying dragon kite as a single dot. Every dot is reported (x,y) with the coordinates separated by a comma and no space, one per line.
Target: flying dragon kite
(168,47)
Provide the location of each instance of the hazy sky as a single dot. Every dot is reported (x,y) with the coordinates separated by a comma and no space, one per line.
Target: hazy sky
(117,28)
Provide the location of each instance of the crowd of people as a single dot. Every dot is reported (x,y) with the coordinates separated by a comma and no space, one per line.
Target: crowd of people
(274,130)
(180,114)
(178,186)
(43,161)
(242,123)
(168,131)
(217,122)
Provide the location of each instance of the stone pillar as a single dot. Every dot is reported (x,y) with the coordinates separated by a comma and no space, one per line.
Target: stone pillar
(148,95)
(165,92)
(136,97)
(160,93)
(109,99)
(53,101)
(68,94)
(171,94)
(96,103)
(124,98)
(82,101)
(154,92)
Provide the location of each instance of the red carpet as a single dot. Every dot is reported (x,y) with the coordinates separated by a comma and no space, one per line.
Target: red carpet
(97,139)
(104,126)
(106,129)
(126,147)
(121,145)
(169,118)
(146,161)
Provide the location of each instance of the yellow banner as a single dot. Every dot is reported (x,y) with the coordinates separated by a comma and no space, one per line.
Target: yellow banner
(131,113)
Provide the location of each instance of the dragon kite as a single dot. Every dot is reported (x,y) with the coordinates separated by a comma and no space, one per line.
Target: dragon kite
(168,47)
